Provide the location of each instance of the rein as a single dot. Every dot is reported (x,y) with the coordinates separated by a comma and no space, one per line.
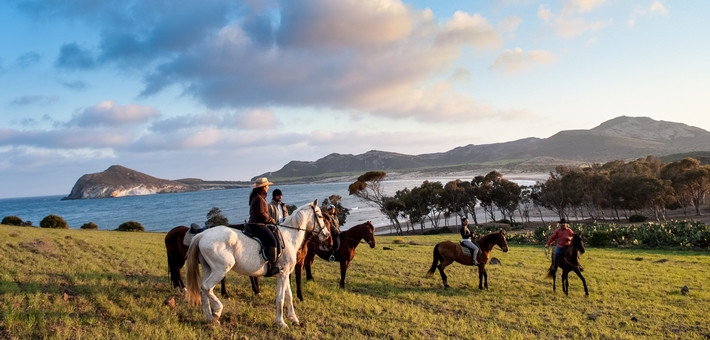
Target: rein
(315,219)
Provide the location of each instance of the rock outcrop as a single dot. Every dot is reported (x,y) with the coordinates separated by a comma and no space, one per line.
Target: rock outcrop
(117,181)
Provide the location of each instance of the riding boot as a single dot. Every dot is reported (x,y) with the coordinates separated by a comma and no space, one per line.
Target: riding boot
(272,269)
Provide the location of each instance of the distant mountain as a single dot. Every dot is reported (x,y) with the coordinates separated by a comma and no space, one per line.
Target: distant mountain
(117,181)
(621,138)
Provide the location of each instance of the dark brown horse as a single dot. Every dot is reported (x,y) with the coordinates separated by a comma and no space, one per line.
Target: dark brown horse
(447,252)
(177,252)
(349,240)
(569,262)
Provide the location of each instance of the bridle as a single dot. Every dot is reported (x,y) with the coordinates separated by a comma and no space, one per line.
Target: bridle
(312,231)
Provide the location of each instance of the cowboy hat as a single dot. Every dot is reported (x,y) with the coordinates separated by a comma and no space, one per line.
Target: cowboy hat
(261,182)
(562,221)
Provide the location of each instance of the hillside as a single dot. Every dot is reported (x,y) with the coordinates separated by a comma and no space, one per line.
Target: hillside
(621,138)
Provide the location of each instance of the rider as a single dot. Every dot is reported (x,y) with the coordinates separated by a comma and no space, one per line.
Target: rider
(466,237)
(277,208)
(563,235)
(334,230)
(259,218)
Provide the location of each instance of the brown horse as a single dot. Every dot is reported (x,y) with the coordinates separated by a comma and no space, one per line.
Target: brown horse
(177,252)
(448,252)
(349,240)
(569,262)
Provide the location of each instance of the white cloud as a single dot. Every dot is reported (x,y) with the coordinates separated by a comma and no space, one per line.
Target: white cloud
(516,60)
(109,113)
(656,8)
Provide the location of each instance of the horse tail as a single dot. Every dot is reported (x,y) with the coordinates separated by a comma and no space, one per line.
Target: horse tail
(437,258)
(194,278)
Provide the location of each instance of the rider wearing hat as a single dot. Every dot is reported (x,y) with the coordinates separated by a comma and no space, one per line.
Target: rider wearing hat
(563,236)
(259,218)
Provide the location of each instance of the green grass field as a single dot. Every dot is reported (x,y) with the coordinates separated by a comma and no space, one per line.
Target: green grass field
(80,284)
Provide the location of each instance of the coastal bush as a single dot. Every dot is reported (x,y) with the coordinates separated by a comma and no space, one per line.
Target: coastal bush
(130,226)
(215,218)
(53,221)
(12,220)
(637,218)
(671,234)
(90,226)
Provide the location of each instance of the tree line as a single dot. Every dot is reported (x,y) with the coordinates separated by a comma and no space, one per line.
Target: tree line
(614,190)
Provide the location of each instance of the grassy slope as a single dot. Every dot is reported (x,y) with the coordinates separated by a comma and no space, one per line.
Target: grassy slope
(115,285)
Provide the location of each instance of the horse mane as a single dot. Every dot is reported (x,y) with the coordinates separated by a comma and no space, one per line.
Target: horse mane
(357,227)
(297,215)
(486,238)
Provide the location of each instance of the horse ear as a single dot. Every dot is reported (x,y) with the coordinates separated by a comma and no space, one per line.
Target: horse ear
(315,203)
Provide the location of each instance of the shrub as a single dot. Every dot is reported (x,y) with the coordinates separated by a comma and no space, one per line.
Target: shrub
(637,218)
(435,231)
(130,226)
(90,225)
(503,220)
(215,218)
(53,221)
(12,220)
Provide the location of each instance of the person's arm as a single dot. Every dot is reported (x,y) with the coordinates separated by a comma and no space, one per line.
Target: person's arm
(552,238)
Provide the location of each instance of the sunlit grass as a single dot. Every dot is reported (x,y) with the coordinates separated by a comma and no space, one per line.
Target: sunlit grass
(79,284)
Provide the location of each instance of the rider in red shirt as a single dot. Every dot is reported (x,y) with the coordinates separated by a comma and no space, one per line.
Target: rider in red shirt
(563,236)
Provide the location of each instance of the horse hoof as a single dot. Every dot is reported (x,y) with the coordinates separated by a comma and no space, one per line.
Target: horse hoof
(215,321)
(282,324)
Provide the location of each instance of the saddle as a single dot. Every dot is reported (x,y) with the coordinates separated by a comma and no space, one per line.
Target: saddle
(466,250)
(194,230)
(246,229)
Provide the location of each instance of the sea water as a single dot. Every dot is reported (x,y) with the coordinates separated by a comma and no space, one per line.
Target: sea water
(162,212)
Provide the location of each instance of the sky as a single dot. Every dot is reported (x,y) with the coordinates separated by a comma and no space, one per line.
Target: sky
(229,90)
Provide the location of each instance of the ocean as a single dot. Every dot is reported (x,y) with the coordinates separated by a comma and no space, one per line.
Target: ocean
(162,212)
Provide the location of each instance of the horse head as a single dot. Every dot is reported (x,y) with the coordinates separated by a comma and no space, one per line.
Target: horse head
(369,234)
(578,243)
(319,226)
(501,241)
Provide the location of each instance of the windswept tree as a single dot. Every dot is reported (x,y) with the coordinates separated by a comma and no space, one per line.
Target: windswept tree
(368,188)
(690,180)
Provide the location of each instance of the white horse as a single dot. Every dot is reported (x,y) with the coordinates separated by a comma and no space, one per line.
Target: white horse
(220,249)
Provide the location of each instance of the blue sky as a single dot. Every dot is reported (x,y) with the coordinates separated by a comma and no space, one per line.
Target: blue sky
(227,90)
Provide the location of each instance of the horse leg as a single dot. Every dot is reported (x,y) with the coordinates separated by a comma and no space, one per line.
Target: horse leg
(281,286)
(308,262)
(343,269)
(298,271)
(255,285)
(175,263)
(584,282)
(565,281)
(223,289)
(441,267)
(482,277)
(288,298)
(211,305)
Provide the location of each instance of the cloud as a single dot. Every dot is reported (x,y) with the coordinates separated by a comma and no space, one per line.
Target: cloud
(656,8)
(582,5)
(108,113)
(516,60)
(569,24)
(73,57)
(34,99)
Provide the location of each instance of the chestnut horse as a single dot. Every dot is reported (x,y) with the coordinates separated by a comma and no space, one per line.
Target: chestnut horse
(448,252)
(349,240)
(569,262)
(177,253)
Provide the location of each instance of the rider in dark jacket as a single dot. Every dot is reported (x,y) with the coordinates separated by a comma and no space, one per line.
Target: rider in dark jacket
(259,218)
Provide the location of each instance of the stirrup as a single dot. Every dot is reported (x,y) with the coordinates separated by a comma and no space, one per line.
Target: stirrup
(331,258)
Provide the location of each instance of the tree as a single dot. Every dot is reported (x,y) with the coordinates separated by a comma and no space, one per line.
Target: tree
(690,180)
(215,218)
(368,188)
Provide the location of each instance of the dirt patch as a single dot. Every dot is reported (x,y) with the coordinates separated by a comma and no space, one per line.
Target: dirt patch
(38,246)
